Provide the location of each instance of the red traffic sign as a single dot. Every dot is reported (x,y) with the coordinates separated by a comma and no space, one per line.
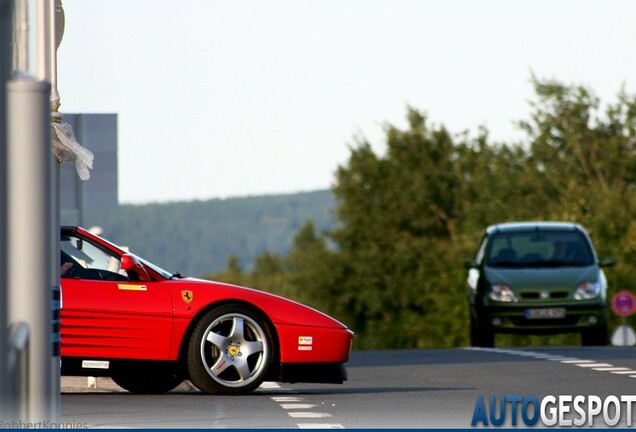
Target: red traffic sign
(624,303)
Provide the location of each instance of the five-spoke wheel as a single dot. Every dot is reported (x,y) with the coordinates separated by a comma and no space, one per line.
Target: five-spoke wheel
(230,350)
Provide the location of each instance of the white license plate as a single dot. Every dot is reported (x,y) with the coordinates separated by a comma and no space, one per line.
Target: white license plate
(545,313)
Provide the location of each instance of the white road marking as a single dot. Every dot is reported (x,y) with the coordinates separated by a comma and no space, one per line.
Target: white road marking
(296,414)
(608,369)
(287,398)
(293,403)
(589,364)
(593,365)
(297,406)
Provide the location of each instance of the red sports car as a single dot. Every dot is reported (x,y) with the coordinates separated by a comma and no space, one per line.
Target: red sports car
(149,329)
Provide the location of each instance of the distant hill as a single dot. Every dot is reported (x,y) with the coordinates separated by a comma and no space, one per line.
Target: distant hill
(197,237)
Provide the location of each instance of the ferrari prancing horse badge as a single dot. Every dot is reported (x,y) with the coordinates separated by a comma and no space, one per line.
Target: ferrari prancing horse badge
(187,296)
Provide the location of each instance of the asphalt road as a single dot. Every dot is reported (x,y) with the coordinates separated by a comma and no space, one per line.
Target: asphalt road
(386,389)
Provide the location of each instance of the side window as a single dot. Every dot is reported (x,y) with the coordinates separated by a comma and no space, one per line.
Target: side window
(479,257)
(81,259)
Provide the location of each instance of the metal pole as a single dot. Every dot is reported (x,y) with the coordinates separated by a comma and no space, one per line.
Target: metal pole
(54,284)
(54,287)
(44,54)
(6,30)
(29,140)
(55,33)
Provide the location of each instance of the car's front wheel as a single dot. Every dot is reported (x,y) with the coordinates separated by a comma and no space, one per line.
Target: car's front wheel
(230,350)
(481,335)
(595,336)
(146,383)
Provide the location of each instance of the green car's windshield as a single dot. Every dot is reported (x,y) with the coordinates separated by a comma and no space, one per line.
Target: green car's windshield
(539,249)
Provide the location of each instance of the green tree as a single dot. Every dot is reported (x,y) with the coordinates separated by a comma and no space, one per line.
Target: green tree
(408,218)
(398,214)
(587,157)
(312,272)
(233,274)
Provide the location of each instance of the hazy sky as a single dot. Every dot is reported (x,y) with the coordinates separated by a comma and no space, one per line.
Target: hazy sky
(234,97)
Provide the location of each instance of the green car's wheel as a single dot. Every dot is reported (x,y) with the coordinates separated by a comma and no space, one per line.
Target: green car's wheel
(480,335)
(596,336)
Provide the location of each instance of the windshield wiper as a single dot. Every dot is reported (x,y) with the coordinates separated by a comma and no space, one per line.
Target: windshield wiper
(176,275)
(542,264)
(506,264)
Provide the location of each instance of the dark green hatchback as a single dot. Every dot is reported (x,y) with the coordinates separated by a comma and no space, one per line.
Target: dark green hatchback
(537,278)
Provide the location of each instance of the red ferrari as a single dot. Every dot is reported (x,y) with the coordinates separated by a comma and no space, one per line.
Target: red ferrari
(149,329)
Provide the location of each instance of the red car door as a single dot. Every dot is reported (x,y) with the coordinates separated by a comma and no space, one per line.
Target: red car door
(115,319)
(109,312)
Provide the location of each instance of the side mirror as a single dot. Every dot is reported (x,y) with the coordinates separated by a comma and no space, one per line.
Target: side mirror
(131,264)
(607,262)
(470,264)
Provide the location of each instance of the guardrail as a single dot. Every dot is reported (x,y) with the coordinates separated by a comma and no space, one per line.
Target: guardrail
(18,368)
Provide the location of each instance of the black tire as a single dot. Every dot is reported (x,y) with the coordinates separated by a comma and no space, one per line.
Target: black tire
(595,336)
(480,335)
(147,384)
(230,351)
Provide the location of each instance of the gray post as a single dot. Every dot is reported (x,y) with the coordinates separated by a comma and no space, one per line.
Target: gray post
(54,283)
(6,28)
(56,32)
(29,171)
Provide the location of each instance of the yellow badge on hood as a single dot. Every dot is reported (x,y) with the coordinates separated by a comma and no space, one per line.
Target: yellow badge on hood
(187,296)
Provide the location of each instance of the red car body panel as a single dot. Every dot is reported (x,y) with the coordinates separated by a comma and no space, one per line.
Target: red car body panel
(100,320)
(305,335)
(150,320)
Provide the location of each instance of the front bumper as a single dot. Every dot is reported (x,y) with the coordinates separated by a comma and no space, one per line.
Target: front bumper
(322,373)
(570,318)
(305,344)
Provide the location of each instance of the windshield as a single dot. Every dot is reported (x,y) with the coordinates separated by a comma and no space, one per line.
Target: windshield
(156,268)
(540,249)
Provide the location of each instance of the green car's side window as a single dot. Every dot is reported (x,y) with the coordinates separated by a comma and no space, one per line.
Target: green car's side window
(481,252)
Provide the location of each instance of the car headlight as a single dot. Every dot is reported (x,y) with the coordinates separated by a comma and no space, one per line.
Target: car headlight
(587,291)
(502,293)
